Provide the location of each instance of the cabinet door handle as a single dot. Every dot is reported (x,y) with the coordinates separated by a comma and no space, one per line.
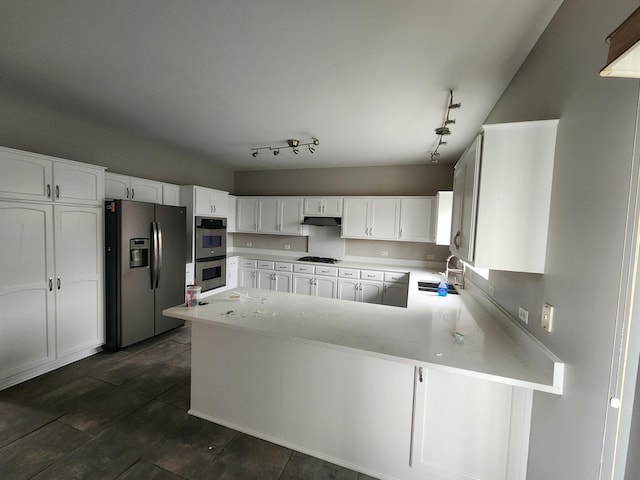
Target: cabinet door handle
(58,283)
(133,193)
(48,190)
(50,284)
(400,233)
(127,193)
(57,191)
(456,240)
(420,375)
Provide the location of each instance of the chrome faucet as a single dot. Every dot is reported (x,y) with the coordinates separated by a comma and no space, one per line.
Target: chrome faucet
(457,282)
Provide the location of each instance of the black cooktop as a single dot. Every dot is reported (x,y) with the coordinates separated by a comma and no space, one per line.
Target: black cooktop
(318,259)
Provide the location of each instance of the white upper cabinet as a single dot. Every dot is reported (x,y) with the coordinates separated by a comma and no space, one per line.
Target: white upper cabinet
(231,214)
(210,202)
(125,187)
(323,206)
(247,214)
(502,197)
(444,203)
(416,219)
(272,215)
(374,218)
(29,176)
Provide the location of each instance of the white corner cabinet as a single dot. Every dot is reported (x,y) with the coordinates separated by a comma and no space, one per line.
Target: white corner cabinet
(502,196)
(51,283)
(270,215)
(125,187)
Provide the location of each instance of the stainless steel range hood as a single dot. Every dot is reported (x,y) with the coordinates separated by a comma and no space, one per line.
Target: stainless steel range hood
(322,221)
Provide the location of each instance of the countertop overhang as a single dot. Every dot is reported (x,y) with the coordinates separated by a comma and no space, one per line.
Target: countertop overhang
(453,333)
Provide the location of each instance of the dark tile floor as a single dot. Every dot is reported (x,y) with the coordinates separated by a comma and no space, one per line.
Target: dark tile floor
(123,415)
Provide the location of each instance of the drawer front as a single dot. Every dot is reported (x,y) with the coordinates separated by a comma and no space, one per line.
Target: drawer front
(283,267)
(328,271)
(300,268)
(397,277)
(372,275)
(248,263)
(348,273)
(264,265)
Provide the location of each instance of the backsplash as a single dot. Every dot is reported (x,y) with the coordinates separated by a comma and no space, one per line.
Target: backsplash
(269,242)
(399,250)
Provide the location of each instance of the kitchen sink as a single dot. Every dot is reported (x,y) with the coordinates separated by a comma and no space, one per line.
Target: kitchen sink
(433,287)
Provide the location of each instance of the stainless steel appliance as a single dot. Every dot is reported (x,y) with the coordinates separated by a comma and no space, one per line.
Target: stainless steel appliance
(211,273)
(211,237)
(211,252)
(144,266)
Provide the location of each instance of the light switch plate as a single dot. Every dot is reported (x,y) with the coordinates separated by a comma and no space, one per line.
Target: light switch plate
(547,317)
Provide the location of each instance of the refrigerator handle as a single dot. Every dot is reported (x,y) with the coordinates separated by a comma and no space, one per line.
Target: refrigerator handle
(154,254)
(159,253)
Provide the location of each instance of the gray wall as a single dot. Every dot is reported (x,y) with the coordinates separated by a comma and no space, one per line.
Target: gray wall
(594,156)
(35,126)
(399,180)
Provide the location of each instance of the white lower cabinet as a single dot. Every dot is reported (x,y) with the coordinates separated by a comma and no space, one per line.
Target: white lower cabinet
(316,286)
(232,272)
(51,286)
(395,294)
(360,291)
(247,278)
(280,282)
(469,428)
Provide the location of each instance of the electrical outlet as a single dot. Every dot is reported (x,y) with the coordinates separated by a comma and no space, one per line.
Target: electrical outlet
(384,253)
(249,244)
(287,247)
(523,315)
(547,317)
(492,290)
(431,257)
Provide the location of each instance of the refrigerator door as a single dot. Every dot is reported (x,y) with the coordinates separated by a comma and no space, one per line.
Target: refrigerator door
(172,232)
(135,290)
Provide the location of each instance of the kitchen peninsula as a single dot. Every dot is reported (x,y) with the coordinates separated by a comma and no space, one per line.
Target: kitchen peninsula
(441,389)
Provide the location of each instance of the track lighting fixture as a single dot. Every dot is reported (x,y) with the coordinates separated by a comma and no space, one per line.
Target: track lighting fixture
(444,129)
(292,143)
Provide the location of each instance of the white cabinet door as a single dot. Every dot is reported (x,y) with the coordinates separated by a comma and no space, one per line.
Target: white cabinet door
(371,292)
(444,203)
(349,290)
(384,224)
(116,186)
(232,272)
(78,184)
(144,190)
(395,294)
(25,176)
(326,287)
(303,284)
(465,193)
(486,432)
(203,202)
(263,279)
(290,215)
(220,201)
(355,220)
(79,273)
(323,206)
(269,215)
(416,222)
(281,282)
(170,194)
(231,214)
(246,214)
(247,278)
(27,297)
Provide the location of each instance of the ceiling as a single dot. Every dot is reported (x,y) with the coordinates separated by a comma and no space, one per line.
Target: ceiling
(368,78)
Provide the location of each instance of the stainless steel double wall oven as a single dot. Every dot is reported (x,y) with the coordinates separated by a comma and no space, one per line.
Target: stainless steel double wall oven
(210,246)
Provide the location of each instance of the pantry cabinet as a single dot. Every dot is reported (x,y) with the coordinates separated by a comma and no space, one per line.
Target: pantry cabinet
(51,280)
(502,197)
(373,218)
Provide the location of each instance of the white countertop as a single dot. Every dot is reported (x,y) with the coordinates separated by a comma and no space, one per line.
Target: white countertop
(420,335)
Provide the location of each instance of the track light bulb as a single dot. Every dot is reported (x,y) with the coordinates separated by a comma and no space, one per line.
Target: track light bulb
(276,152)
(296,151)
(311,149)
(316,141)
(254,154)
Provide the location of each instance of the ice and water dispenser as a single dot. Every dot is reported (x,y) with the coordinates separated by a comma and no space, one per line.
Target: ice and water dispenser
(138,252)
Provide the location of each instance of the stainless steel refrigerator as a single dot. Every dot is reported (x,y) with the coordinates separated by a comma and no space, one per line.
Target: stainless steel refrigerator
(144,264)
